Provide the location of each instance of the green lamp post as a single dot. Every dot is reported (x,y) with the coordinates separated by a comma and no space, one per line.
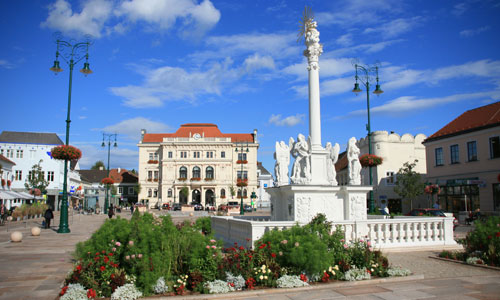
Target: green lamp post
(365,80)
(253,197)
(71,54)
(241,157)
(109,137)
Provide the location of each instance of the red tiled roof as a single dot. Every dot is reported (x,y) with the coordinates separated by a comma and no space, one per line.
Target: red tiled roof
(124,176)
(341,162)
(6,159)
(204,129)
(471,120)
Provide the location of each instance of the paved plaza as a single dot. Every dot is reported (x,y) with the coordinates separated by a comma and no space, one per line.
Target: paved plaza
(36,267)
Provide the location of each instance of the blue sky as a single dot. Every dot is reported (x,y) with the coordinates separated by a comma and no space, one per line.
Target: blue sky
(158,64)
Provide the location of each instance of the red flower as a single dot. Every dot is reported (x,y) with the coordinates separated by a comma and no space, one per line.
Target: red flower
(63,290)
(250,282)
(112,276)
(79,268)
(242,248)
(325,277)
(273,255)
(497,234)
(66,152)
(303,277)
(103,268)
(107,180)
(91,294)
(110,254)
(231,284)
(106,259)
(262,246)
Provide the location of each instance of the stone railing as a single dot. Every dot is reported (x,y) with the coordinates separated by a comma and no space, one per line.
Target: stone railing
(382,233)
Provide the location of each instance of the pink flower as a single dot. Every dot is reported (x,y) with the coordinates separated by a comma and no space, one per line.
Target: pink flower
(342,240)
(368,243)
(212,241)
(118,244)
(284,242)
(371,248)
(208,246)
(127,257)
(280,253)
(112,241)
(114,249)
(140,255)
(297,244)
(133,256)
(361,241)
(345,246)
(213,247)
(131,243)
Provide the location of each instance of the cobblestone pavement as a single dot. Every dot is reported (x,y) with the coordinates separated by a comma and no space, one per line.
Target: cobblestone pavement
(36,267)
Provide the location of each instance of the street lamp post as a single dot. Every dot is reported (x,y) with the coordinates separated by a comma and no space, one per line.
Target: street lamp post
(242,181)
(109,137)
(71,54)
(365,80)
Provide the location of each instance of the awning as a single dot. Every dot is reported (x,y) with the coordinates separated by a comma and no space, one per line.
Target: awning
(6,196)
(29,196)
(17,195)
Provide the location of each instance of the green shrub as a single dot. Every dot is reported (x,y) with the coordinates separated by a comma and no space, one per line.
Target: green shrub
(204,224)
(484,241)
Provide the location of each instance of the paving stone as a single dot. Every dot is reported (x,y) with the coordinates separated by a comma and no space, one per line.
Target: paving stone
(361,290)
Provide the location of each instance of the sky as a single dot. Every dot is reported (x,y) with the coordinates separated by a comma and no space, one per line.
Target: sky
(161,63)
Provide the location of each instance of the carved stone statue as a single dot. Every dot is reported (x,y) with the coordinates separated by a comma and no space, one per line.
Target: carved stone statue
(301,151)
(354,167)
(282,156)
(333,155)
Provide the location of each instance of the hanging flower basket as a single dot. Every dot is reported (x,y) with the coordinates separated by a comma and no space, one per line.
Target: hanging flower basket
(35,192)
(370,160)
(3,182)
(9,183)
(432,189)
(66,152)
(107,180)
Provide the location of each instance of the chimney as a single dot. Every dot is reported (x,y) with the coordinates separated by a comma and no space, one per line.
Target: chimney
(101,168)
(255,136)
(143,132)
(119,170)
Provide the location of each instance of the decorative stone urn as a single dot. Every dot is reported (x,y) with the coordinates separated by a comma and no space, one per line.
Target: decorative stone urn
(16,236)
(35,231)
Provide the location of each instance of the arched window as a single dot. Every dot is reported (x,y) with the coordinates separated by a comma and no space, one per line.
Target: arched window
(245,193)
(196,172)
(209,173)
(169,193)
(155,193)
(150,192)
(223,193)
(183,172)
(239,193)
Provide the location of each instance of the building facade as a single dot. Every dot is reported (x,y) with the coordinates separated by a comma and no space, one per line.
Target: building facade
(463,158)
(198,163)
(265,181)
(395,150)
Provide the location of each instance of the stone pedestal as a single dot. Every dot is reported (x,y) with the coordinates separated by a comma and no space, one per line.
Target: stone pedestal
(301,203)
(319,164)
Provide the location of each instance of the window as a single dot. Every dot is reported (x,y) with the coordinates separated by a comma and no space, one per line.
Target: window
(130,190)
(151,156)
(454,154)
(242,156)
(245,193)
(120,190)
(439,156)
(156,175)
(32,153)
(156,156)
(170,154)
(19,154)
(1,151)
(210,154)
(41,175)
(389,177)
(10,153)
(169,193)
(209,173)
(19,175)
(245,175)
(150,175)
(196,154)
(183,154)
(223,193)
(196,172)
(223,154)
(471,151)
(50,176)
(150,192)
(183,172)
(30,175)
(155,193)
(494,147)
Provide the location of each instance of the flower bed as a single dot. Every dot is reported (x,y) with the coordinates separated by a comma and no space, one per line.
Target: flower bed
(149,255)
(66,152)
(370,160)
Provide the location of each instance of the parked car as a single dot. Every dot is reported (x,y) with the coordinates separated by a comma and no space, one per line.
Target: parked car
(196,205)
(176,206)
(247,208)
(229,205)
(432,212)
(165,206)
(209,207)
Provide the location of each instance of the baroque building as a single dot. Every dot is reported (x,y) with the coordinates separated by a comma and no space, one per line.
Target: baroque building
(211,166)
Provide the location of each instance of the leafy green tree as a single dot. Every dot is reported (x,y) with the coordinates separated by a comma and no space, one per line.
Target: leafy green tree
(184,191)
(36,180)
(232,191)
(137,188)
(409,184)
(97,166)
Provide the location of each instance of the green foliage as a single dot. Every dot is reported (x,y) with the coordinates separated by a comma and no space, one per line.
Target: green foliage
(484,241)
(137,188)
(37,179)
(204,224)
(409,183)
(184,191)
(98,165)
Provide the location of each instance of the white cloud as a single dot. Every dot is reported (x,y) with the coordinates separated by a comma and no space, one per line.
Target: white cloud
(288,121)
(328,67)
(337,86)
(395,27)
(367,48)
(5,64)
(473,32)
(131,128)
(90,20)
(345,40)
(459,9)
(120,157)
(256,62)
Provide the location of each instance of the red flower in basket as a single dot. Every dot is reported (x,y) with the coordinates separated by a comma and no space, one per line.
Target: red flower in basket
(107,180)
(35,192)
(9,182)
(432,189)
(370,160)
(3,182)
(66,152)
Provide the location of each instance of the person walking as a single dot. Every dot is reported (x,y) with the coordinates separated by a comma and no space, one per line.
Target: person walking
(111,211)
(49,215)
(3,214)
(132,209)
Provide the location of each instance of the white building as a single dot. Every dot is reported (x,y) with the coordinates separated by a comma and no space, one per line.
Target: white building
(395,150)
(209,163)
(26,149)
(265,181)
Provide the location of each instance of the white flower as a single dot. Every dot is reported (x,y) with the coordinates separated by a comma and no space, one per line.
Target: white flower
(126,292)
(261,277)
(265,277)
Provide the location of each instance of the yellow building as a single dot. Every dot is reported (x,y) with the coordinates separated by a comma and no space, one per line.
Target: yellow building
(198,156)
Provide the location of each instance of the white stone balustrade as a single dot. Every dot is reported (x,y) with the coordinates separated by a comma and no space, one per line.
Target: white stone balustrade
(382,233)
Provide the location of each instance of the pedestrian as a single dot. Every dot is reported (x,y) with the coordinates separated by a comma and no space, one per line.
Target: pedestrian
(49,215)
(3,214)
(386,210)
(111,211)
(132,209)
(436,205)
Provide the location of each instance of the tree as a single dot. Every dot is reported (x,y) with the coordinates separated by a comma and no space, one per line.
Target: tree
(137,188)
(232,191)
(36,180)
(184,193)
(133,171)
(409,183)
(97,166)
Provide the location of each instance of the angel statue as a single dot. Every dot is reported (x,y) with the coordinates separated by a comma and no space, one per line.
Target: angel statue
(301,151)
(354,167)
(333,155)
(282,157)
